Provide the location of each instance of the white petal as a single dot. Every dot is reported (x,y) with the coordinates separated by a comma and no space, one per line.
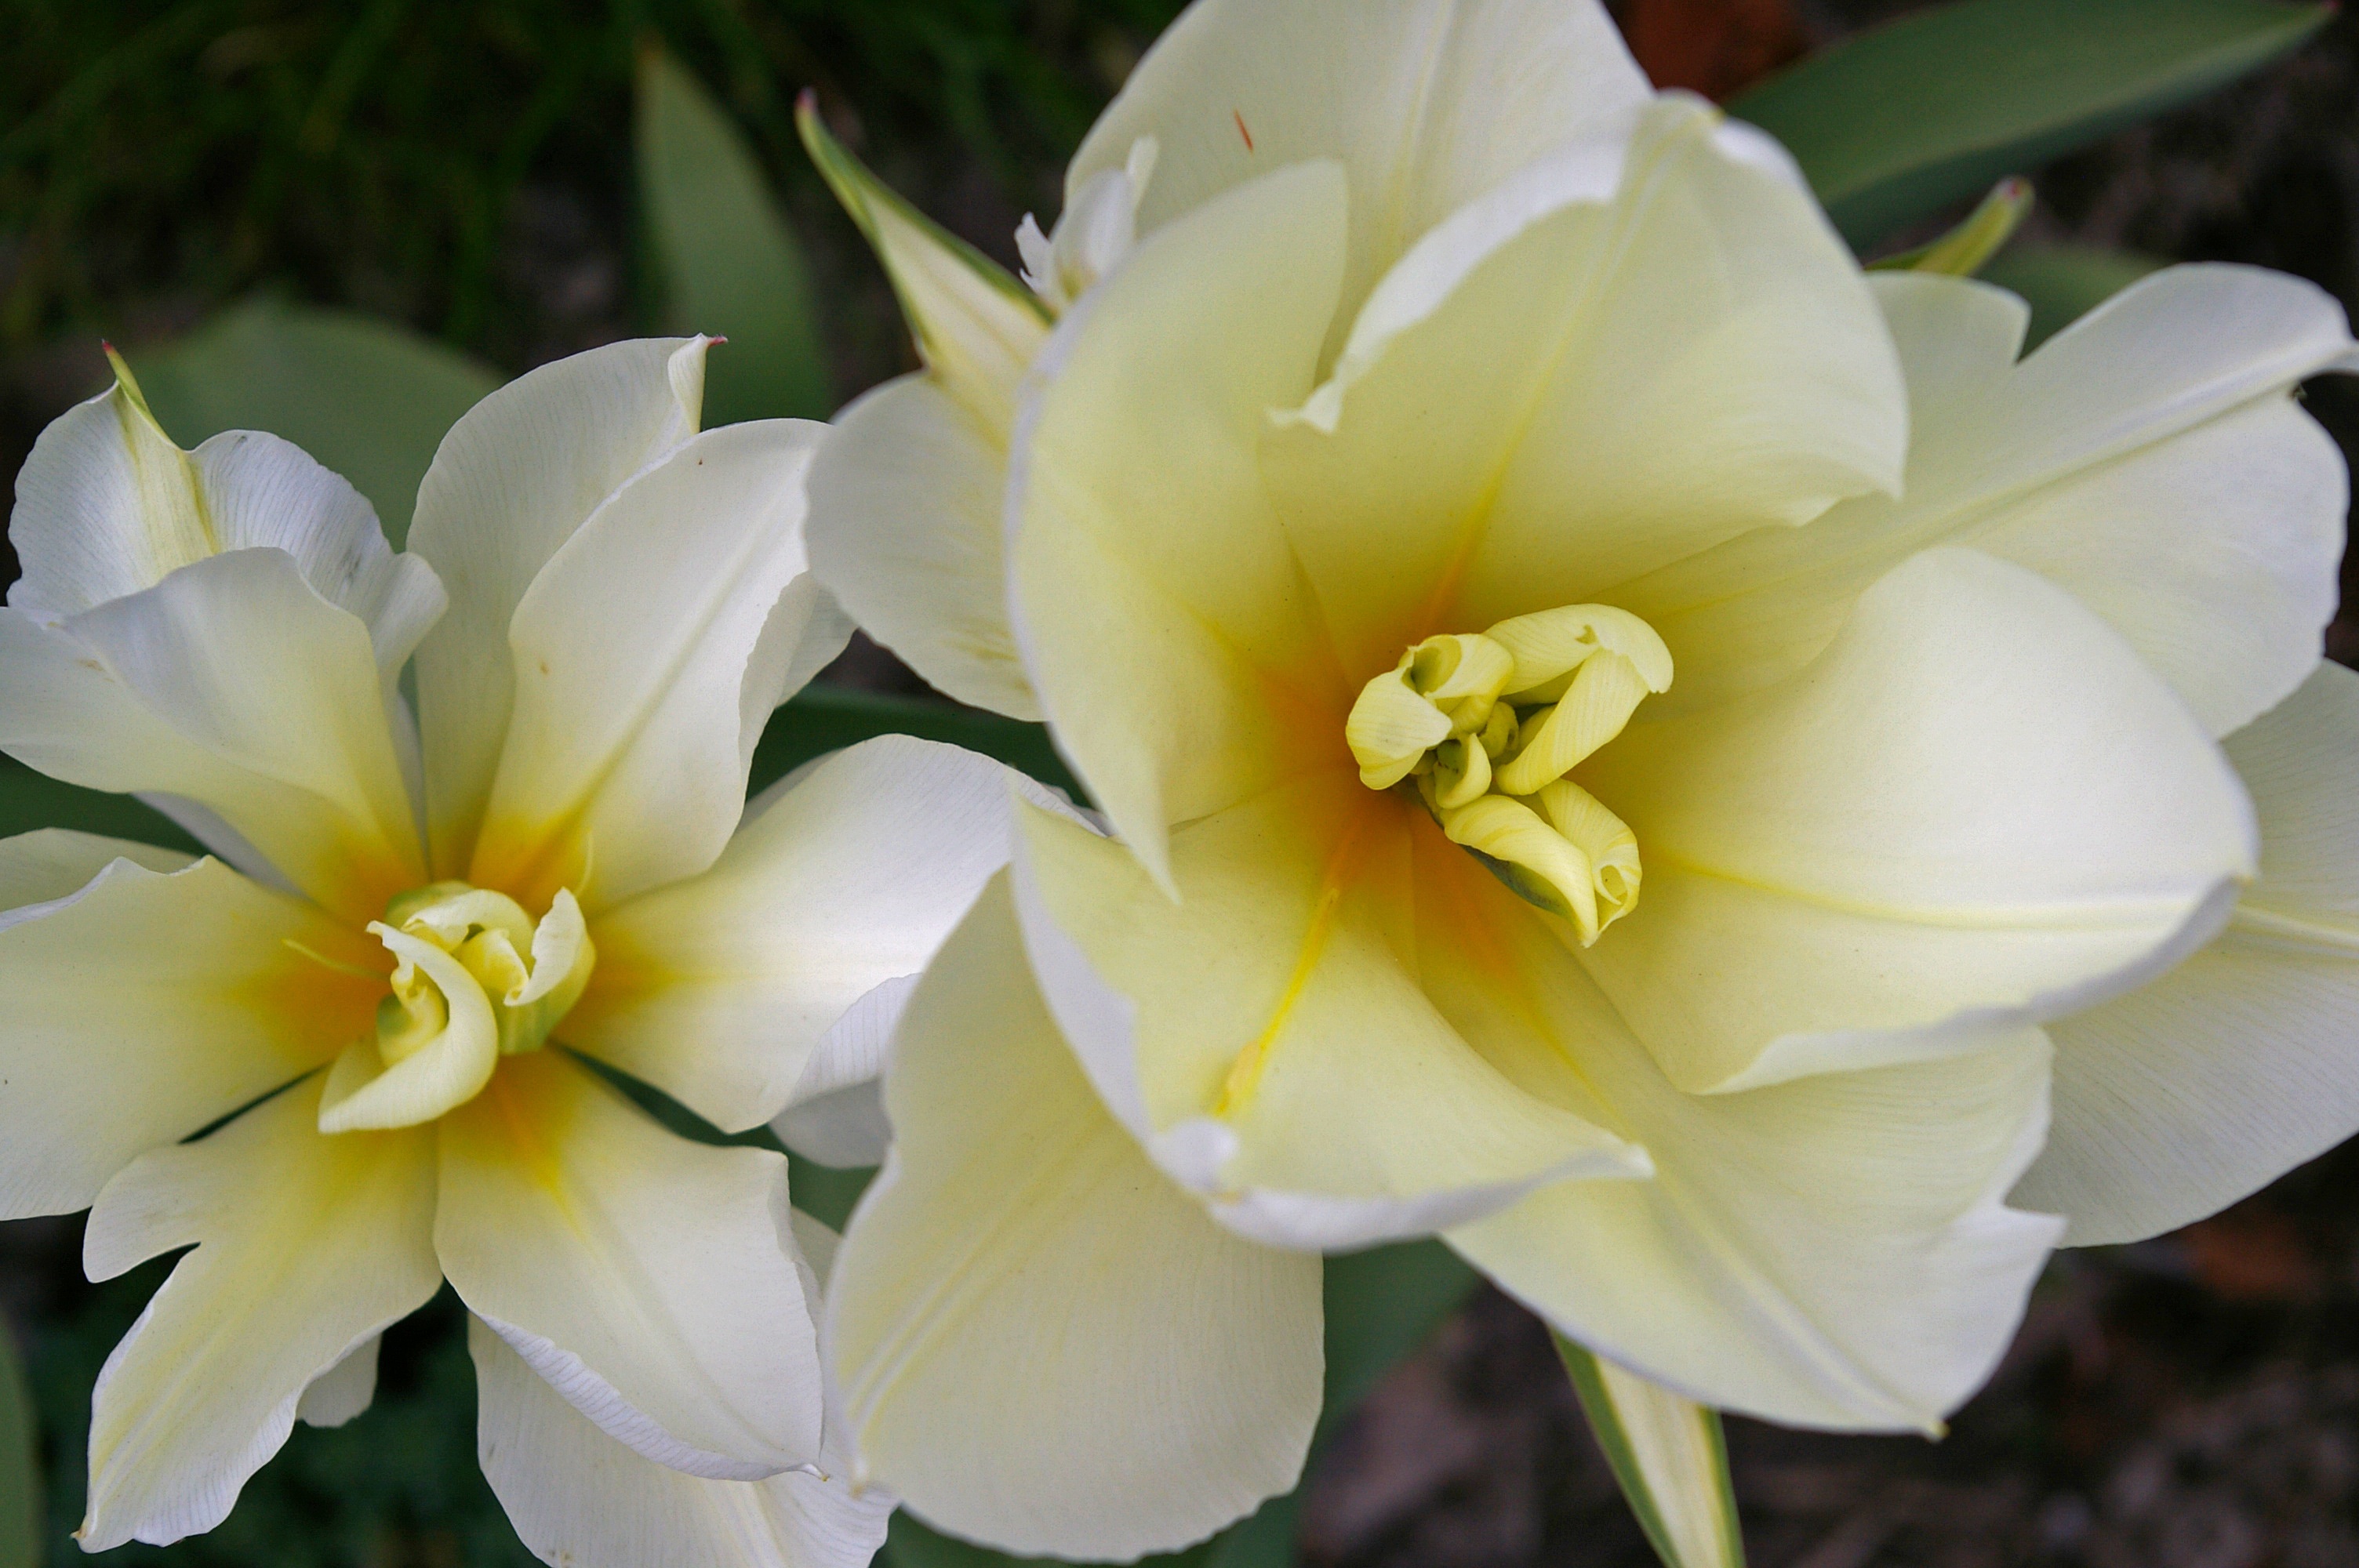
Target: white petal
(646,658)
(1648,348)
(1313,1092)
(905,529)
(578,1497)
(2180,1098)
(719,989)
(2149,458)
(144,1007)
(1978,808)
(344,1391)
(1043,1344)
(307,1246)
(1159,606)
(231,683)
(649,1279)
(1427,104)
(48,864)
(514,479)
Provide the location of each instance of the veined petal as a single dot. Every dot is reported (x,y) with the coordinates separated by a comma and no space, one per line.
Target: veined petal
(904,531)
(1649,345)
(344,1391)
(2176,1100)
(1314,1094)
(648,654)
(512,481)
(649,1279)
(145,1006)
(234,685)
(1018,1266)
(2149,458)
(1978,808)
(108,506)
(40,868)
(1425,104)
(719,988)
(307,1246)
(576,1495)
(1163,619)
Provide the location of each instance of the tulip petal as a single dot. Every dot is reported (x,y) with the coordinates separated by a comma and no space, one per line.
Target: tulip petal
(108,507)
(647,656)
(1649,346)
(719,989)
(578,1497)
(904,531)
(142,1007)
(2180,1098)
(515,478)
(307,1246)
(234,685)
(1829,1252)
(1019,1268)
(344,1391)
(1159,606)
(2149,458)
(1425,104)
(650,1280)
(1976,809)
(1314,1092)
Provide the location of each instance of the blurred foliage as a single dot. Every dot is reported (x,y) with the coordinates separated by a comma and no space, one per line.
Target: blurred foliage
(369,154)
(20,1469)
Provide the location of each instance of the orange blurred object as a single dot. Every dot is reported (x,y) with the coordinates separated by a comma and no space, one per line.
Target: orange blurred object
(1717,48)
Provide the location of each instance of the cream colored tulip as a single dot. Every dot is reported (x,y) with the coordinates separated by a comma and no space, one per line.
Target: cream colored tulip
(1621,736)
(359,1052)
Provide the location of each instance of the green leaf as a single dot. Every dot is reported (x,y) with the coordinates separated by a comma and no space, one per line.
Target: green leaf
(368,398)
(2063,283)
(1669,1456)
(1968,248)
(824,718)
(20,1465)
(1897,121)
(731,265)
(30,800)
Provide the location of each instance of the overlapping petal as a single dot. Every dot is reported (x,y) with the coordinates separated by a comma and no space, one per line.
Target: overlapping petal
(719,989)
(2180,1098)
(648,654)
(515,478)
(649,1279)
(1163,619)
(1425,104)
(1314,1091)
(233,685)
(1043,1344)
(2149,458)
(307,1246)
(1832,1251)
(1977,808)
(146,1005)
(1627,353)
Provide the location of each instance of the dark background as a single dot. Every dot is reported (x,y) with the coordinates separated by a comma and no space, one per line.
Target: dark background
(2187,1402)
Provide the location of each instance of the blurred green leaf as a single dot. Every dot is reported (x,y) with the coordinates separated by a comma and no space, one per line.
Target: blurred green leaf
(30,800)
(731,266)
(2063,283)
(368,398)
(1669,1456)
(824,718)
(1898,120)
(20,1470)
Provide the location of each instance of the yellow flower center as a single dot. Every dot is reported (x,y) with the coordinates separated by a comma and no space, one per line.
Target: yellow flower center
(474,978)
(1484,727)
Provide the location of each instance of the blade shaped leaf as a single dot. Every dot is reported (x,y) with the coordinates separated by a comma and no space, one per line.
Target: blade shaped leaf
(1897,121)
(368,398)
(731,265)
(1669,1456)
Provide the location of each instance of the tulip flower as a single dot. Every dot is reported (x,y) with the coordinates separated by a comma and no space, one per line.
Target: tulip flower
(374,1041)
(1621,736)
